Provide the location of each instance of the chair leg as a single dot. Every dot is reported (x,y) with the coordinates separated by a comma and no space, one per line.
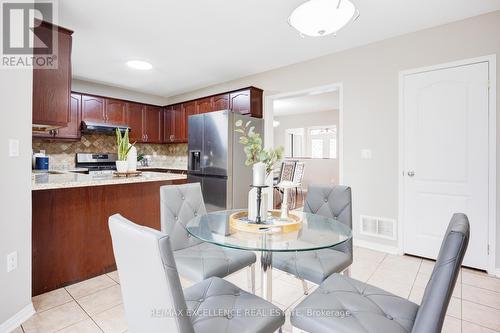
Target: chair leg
(304,286)
(251,278)
(347,271)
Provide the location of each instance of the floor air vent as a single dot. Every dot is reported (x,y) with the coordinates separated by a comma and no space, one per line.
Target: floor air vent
(378,227)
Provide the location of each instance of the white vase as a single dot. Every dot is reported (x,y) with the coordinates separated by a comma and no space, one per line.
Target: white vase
(132,159)
(259,174)
(121,166)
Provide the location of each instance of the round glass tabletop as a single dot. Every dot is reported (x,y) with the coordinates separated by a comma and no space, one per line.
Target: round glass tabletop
(314,233)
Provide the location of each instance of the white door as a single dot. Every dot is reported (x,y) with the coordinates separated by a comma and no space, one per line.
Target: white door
(446,158)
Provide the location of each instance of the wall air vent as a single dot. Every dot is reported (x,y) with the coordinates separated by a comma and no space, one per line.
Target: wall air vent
(380,227)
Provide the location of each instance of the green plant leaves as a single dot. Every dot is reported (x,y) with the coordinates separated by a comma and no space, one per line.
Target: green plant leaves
(252,146)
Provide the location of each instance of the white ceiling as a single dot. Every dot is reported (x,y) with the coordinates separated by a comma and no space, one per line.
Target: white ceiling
(193,43)
(306,104)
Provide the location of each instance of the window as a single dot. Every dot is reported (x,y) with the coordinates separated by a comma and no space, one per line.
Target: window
(323,142)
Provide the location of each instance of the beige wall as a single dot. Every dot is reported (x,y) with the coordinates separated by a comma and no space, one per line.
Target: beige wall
(109,91)
(370,80)
(316,171)
(15,191)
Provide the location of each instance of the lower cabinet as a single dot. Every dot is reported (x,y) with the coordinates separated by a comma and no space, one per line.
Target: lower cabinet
(70,236)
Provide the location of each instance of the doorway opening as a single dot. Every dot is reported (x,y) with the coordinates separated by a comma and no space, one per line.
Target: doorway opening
(308,125)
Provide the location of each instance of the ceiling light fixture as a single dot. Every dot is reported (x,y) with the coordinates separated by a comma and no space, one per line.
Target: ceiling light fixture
(276,123)
(316,18)
(139,64)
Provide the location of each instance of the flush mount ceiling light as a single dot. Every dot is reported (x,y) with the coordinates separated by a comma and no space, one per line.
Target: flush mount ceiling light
(276,123)
(139,64)
(316,18)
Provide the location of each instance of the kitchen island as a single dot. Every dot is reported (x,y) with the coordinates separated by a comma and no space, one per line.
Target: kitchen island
(70,236)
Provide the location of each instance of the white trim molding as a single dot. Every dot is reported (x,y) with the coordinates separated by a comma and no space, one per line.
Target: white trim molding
(492,151)
(16,320)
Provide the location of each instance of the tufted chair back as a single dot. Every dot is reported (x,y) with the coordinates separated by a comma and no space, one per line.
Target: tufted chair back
(332,201)
(151,288)
(178,205)
(437,295)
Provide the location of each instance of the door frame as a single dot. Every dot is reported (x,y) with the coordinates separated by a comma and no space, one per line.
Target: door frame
(492,145)
(268,116)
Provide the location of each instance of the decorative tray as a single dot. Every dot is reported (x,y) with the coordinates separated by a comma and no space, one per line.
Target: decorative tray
(273,223)
(127,174)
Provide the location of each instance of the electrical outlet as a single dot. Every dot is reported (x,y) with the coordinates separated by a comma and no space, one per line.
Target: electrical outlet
(11,261)
(13,148)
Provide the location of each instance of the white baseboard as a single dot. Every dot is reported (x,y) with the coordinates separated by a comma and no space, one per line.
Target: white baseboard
(495,272)
(377,247)
(16,320)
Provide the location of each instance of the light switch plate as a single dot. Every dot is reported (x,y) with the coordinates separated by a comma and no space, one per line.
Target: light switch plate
(366,154)
(11,261)
(13,148)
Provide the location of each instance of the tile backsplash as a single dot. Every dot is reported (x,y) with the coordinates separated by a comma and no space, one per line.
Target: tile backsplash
(62,154)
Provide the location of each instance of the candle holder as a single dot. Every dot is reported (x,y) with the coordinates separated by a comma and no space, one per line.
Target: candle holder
(259,188)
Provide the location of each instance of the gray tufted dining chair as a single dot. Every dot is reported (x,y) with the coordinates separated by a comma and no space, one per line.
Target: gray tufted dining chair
(332,201)
(155,302)
(196,260)
(357,307)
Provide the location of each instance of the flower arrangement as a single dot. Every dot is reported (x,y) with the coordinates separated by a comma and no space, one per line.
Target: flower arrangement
(253,149)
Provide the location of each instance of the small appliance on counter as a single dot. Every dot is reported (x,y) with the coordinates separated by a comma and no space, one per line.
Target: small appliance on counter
(97,164)
(40,161)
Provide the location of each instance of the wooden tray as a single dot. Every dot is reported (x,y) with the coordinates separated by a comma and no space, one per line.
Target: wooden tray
(127,174)
(276,225)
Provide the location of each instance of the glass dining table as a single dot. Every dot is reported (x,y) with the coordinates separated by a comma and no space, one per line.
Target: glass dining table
(314,233)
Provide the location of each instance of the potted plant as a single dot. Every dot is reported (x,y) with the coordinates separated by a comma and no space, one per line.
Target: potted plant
(123,149)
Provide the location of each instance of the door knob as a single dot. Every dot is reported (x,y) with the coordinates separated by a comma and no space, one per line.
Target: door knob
(411,173)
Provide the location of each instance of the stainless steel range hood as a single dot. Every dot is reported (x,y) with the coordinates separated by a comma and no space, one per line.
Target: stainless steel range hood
(93,127)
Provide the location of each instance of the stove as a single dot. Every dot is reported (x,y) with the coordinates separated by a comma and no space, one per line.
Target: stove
(97,164)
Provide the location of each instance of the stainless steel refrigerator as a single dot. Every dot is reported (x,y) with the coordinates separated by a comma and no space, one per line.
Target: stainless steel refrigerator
(217,161)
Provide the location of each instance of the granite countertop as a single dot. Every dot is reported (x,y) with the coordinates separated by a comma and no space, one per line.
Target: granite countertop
(48,181)
(163,166)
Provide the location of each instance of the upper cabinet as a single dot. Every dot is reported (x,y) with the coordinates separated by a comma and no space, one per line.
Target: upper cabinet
(115,111)
(134,121)
(103,110)
(72,129)
(52,87)
(152,117)
(205,105)
(221,102)
(93,108)
(247,102)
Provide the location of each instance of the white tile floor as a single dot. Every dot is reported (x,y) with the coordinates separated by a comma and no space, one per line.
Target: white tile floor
(95,305)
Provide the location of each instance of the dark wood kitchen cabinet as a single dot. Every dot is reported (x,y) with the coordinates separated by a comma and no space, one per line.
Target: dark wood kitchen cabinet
(103,110)
(134,121)
(180,126)
(70,234)
(52,87)
(221,102)
(204,105)
(247,102)
(115,111)
(145,122)
(152,124)
(174,124)
(72,130)
(189,110)
(93,109)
